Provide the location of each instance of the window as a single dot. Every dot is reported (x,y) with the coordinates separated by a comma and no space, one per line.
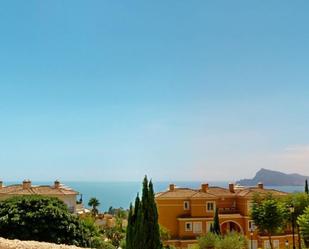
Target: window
(234,204)
(186,205)
(188,226)
(275,244)
(249,206)
(210,206)
(208,225)
(191,246)
(251,225)
(197,227)
(254,244)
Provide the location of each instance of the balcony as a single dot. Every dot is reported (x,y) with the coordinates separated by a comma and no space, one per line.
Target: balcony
(228,211)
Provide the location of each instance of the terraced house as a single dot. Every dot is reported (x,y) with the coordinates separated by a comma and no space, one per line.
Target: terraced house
(67,195)
(188,213)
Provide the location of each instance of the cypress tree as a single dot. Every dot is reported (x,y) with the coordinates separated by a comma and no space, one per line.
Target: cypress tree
(154,229)
(211,229)
(143,229)
(145,216)
(306,187)
(137,230)
(129,233)
(216,226)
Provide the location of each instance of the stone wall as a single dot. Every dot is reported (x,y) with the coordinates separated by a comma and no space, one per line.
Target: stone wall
(17,244)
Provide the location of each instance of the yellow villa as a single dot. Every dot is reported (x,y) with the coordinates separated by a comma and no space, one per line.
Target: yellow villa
(67,195)
(188,213)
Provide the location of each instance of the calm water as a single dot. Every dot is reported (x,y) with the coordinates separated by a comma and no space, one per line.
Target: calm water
(120,194)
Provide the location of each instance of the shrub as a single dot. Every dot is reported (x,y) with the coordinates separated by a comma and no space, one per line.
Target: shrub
(231,241)
(42,219)
(106,245)
(208,241)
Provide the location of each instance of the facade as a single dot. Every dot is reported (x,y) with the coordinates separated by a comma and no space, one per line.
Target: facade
(67,195)
(188,213)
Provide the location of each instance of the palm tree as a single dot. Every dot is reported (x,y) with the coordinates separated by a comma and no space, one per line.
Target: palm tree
(94,203)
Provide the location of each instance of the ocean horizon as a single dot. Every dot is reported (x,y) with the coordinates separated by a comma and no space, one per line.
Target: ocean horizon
(121,194)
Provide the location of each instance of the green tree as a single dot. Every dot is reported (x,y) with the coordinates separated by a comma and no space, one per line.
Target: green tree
(42,219)
(303,222)
(216,225)
(300,201)
(269,215)
(306,187)
(94,203)
(143,229)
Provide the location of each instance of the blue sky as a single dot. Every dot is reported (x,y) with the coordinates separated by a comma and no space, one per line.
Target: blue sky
(178,90)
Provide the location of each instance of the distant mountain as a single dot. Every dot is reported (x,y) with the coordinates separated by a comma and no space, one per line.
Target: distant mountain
(274,178)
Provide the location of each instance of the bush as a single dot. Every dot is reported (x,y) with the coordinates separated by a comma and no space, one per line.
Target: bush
(208,241)
(42,219)
(231,241)
(106,245)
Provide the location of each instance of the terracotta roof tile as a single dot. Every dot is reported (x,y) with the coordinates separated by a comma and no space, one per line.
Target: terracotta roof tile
(216,192)
(177,193)
(39,190)
(249,192)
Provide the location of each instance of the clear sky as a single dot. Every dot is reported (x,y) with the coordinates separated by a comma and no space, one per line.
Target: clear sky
(178,90)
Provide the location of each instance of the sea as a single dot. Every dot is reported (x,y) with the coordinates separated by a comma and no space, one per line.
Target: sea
(121,194)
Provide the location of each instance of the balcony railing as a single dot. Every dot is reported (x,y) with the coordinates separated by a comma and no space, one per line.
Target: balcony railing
(228,211)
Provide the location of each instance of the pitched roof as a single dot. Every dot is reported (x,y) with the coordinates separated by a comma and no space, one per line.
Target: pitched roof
(212,193)
(177,193)
(18,189)
(216,192)
(250,192)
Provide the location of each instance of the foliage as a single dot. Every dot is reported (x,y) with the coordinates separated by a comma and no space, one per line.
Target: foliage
(196,246)
(106,245)
(123,244)
(216,224)
(299,201)
(231,241)
(169,247)
(303,222)
(94,235)
(143,229)
(42,219)
(94,203)
(164,233)
(118,212)
(115,235)
(269,215)
(208,241)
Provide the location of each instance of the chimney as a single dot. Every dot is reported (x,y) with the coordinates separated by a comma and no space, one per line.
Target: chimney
(260,185)
(232,187)
(204,187)
(26,184)
(56,184)
(1,184)
(172,187)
